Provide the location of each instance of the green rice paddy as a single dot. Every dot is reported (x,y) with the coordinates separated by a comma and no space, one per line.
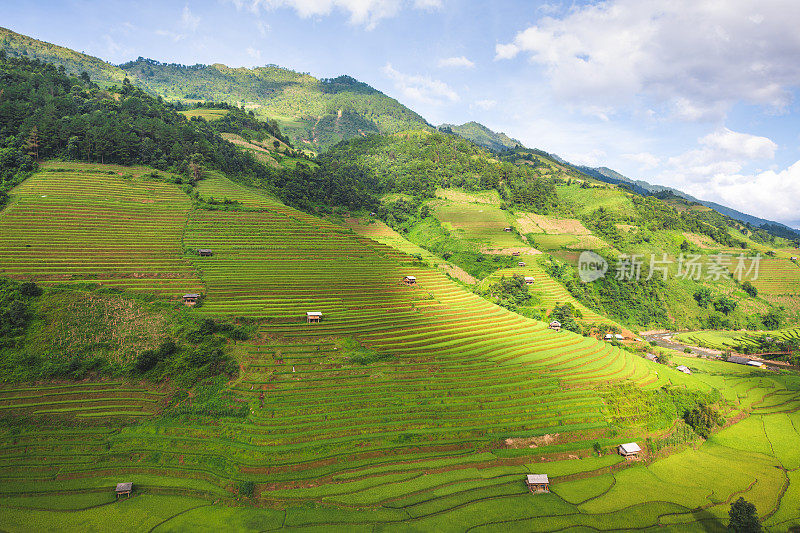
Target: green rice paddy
(436,434)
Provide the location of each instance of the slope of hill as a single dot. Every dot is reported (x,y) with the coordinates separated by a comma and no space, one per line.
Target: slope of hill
(481,135)
(16,45)
(315,112)
(318,113)
(418,406)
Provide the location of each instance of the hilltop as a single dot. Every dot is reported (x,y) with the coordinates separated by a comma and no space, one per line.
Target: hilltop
(313,112)
(481,135)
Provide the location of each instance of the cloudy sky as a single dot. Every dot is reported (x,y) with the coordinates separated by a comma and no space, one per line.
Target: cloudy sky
(695,94)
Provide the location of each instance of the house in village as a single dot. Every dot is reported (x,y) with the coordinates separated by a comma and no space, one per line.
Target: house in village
(629,450)
(651,357)
(684,369)
(313,317)
(205,252)
(537,483)
(529,280)
(191,298)
(555,325)
(410,280)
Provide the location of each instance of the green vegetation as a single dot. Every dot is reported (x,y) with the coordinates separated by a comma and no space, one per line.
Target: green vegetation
(481,135)
(407,406)
(744,518)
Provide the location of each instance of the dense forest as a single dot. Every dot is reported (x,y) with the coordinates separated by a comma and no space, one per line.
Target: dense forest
(418,162)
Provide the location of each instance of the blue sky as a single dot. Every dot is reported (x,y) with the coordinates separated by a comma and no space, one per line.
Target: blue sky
(696,94)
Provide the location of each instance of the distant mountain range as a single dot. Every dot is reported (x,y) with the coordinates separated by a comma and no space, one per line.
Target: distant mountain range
(642,187)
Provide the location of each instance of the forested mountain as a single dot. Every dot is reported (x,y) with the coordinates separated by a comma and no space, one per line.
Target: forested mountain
(101,72)
(315,113)
(419,162)
(45,113)
(481,135)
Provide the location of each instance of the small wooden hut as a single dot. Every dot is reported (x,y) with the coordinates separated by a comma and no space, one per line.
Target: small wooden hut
(684,369)
(205,252)
(191,298)
(509,228)
(521,263)
(555,325)
(515,254)
(537,483)
(410,280)
(313,317)
(124,489)
(629,450)
(529,280)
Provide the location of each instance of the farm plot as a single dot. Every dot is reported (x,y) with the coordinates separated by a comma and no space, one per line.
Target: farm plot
(114,226)
(207,114)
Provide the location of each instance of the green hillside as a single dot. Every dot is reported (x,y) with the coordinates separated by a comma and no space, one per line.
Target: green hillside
(262,338)
(482,136)
(455,199)
(75,63)
(418,405)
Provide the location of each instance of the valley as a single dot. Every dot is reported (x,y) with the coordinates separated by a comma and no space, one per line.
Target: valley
(270,301)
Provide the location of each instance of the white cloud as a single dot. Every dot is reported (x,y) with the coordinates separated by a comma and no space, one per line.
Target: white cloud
(717,170)
(457,62)
(484,104)
(646,160)
(421,88)
(768,194)
(253,53)
(362,12)
(263,28)
(739,145)
(722,153)
(693,58)
(171,35)
(189,21)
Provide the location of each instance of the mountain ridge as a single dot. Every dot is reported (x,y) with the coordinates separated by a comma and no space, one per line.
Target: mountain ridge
(481,135)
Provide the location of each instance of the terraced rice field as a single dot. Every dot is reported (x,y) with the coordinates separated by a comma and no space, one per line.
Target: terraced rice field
(551,292)
(208,114)
(409,408)
(70,223)
(726,340)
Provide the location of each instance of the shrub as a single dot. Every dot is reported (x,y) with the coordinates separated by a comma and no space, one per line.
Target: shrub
(702,419)
(30,290)
(246,488)
(749,288)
